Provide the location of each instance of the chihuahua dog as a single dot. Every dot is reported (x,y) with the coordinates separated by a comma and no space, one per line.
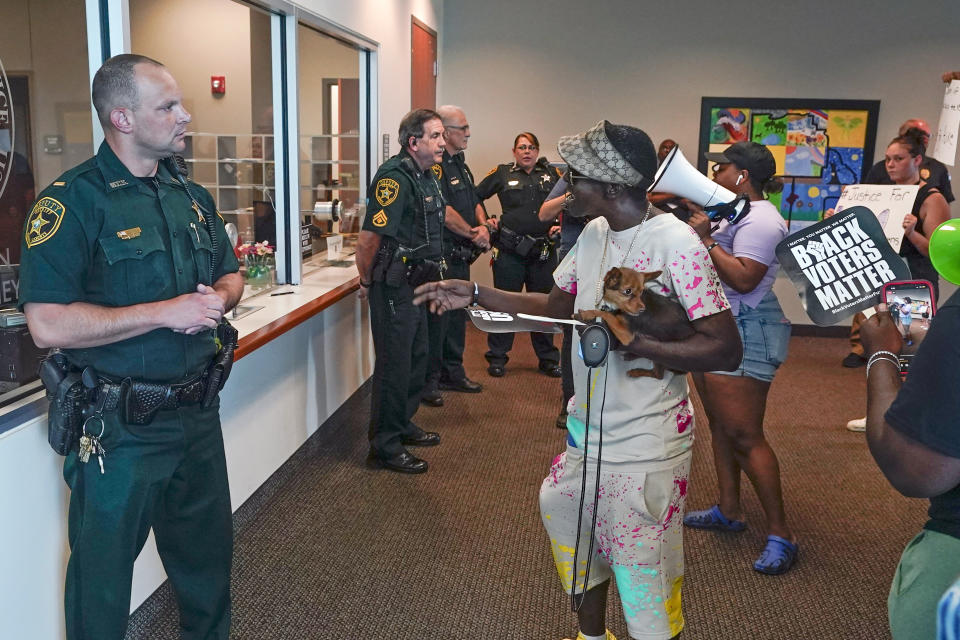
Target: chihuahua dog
(637,311)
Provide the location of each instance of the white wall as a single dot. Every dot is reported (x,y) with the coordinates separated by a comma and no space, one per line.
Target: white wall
(558,68)
(386,22)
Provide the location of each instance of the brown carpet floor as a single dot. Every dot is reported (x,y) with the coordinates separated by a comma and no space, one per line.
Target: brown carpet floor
(328,548)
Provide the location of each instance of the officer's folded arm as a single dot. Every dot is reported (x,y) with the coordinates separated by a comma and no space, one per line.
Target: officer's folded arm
(81,324)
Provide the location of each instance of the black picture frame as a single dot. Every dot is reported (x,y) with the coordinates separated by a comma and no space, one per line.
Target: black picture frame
(837,169)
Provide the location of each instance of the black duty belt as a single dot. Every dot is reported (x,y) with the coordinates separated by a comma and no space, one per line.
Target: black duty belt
(138,401)
(523,245)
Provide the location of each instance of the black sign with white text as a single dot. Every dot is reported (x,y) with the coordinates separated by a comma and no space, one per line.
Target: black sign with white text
(840,265)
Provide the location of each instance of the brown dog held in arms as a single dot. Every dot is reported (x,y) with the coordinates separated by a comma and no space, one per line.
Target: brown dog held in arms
(639,311)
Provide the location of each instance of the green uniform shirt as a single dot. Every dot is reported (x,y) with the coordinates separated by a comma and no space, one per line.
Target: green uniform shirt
(405,204)
(100,235)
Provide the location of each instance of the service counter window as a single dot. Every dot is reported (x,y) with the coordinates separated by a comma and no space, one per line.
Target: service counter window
(220,53)
(46,127)
(331,196)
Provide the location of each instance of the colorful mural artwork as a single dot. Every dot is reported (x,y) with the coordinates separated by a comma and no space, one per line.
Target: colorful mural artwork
(819,145)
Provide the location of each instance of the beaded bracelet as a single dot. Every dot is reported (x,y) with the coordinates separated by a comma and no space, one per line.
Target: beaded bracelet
(876,357)
(884,353)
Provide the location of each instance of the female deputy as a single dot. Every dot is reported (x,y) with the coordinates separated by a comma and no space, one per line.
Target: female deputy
(902,161)
(524,254)
(735,402)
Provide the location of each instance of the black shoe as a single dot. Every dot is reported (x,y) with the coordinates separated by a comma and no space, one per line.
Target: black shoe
(422,439)
(852,361)
(404,462)
(551,369)
(496,370)
(432,398)
(466,385)
(562,420)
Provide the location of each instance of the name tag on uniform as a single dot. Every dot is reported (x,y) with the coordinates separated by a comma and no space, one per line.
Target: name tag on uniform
(513,183)
(428,199)
(455,181)
(129,234)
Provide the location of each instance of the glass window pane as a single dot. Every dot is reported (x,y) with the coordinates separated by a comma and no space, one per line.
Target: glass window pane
(45,129)
(329,94)
(45,114)
(230,147)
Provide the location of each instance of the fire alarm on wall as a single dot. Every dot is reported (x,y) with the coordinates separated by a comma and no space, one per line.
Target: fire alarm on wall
(218,84)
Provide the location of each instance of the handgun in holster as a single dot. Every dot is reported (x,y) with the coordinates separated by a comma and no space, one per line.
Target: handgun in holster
(219,369)
(68,398)
(397,267)
(423,272)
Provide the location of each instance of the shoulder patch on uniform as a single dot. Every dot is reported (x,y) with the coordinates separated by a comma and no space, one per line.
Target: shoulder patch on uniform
(44,220)
(380,219)
(925,173)
(491,171)
(387,191)
(437,171)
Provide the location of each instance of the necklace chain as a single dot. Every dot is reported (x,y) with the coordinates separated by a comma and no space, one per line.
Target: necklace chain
(606,243)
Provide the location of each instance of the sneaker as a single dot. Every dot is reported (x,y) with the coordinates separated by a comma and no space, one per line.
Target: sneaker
(860,424)
(853,360)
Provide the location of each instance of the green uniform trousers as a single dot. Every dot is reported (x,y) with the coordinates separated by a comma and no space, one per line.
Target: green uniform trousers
(929,565)
(170,475)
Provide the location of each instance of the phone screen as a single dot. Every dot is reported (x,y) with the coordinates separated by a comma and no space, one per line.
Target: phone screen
(911,305)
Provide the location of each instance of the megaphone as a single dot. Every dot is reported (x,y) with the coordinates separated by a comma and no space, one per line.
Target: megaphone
(677,175)
(945,250)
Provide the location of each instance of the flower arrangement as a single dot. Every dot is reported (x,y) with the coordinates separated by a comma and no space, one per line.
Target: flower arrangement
(256,258)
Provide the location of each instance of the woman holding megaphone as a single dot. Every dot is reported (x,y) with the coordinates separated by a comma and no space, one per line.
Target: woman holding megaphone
(930,209)
(735,402)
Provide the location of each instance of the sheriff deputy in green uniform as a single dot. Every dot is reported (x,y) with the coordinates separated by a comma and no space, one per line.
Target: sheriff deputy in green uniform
(399,248)
(120,272)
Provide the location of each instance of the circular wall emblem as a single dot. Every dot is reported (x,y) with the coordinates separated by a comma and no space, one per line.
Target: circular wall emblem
(6,130)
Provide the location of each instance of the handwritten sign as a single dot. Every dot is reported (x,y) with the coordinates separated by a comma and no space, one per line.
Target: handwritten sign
(840,265)
(945,143)
(890,203)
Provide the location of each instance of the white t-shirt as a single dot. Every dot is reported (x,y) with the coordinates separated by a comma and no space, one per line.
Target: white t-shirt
(643,419)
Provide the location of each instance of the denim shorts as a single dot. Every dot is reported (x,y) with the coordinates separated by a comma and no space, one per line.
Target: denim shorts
(765,334)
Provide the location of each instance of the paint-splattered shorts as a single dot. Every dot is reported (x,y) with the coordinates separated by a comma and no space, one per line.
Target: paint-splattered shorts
(639,540)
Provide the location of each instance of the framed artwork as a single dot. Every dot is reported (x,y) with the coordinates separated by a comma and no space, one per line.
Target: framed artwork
(819,145)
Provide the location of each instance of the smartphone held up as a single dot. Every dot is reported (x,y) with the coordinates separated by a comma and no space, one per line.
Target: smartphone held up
(911,304)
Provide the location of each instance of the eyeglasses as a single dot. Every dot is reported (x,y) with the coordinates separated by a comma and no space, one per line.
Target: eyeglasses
(465,127)
(527,147)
